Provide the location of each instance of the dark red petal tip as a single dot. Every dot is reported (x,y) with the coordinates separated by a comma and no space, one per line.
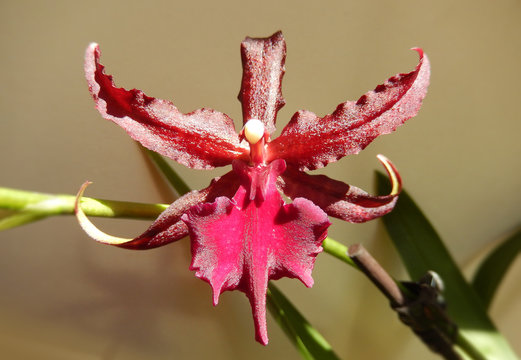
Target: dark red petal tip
(160,126)
(309,142)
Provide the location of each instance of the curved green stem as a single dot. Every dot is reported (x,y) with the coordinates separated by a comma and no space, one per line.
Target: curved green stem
(27,206)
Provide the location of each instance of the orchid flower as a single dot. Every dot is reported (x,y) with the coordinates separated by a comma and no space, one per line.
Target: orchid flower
(242,232)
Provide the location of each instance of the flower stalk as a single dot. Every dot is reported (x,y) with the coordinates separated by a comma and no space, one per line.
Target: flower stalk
(27,206)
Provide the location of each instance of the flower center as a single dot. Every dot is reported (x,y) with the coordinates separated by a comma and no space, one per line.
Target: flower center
(255,133)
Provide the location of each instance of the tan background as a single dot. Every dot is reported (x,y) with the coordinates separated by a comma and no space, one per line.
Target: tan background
(64,296)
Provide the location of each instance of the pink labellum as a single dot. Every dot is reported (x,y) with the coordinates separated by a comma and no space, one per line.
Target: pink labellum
(263,68)
(309,142)
(242,244)
(160,126)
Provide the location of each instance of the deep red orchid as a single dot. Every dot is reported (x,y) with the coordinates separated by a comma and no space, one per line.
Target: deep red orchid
(242,233)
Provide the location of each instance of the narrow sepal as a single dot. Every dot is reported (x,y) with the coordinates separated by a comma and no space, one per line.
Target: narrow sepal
(309,142)
(242,244)
(202,139)
(168,227)
(263,68)
(89,227)
(338,199)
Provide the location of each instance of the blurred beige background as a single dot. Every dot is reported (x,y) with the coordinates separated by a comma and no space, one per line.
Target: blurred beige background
(63,296)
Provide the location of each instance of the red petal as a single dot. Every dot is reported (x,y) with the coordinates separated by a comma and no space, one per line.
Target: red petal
(309,142)
(263,69)
(160,126)
(338,199)
(242,244)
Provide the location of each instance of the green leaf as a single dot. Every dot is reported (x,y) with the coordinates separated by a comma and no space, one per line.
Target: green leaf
(421,249)
(305,337)
(171,176)
(494,267)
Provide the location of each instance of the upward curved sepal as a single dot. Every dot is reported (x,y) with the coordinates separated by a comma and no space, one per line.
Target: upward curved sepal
(263,68)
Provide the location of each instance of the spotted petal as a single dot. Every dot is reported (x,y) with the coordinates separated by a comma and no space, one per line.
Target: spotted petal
(341,200)
(263,69)
(309,142)
(202,139)
(242,244)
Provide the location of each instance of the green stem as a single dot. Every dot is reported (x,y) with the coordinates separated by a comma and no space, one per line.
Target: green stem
(338,250)
(31,206)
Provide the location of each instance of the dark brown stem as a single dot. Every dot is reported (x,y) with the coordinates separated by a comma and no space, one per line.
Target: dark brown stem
(374,271)
(419,310)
